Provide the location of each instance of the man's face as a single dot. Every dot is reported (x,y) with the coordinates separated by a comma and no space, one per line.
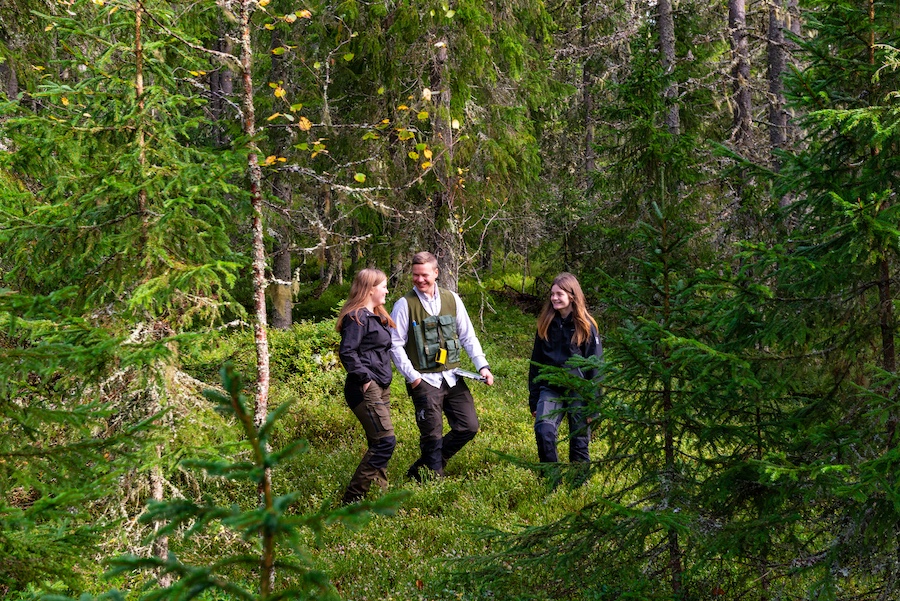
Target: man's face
(424,276)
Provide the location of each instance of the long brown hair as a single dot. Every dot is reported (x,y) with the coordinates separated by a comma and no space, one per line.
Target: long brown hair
(363,282)
(583,320)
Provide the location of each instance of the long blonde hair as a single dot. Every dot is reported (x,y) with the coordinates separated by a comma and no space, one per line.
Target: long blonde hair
(583,320)
(363,282)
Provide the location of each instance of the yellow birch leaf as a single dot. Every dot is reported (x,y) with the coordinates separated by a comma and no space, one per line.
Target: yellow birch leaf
(269,26)
(427,153)
(360,177)
(290,18)
(422,116)
(270,160)
(64,100)
(304,124)
(402,107)
(426,165)
(304,14)
(274,116)
(413,155)
(264,3)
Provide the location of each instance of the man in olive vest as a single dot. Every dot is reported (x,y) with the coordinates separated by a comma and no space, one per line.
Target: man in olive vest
(432,327)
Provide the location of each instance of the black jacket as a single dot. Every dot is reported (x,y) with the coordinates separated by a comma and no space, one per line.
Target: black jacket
(365,353)
(556,350)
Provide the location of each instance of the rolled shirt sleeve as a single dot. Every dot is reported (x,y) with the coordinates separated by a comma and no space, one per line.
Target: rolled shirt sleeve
(400,315)
(467,337)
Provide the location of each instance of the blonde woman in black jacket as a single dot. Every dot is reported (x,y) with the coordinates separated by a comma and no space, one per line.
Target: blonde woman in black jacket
(365,347)
(564,329)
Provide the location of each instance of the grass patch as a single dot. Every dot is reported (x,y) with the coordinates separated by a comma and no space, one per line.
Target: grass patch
(413,554)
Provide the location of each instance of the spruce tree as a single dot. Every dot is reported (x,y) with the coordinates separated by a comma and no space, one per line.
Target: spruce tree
(114,238)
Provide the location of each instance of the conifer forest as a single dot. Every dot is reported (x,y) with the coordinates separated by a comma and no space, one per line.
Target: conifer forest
(187,189)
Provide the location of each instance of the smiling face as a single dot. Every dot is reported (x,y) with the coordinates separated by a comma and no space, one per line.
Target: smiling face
(560,300)
(424,276)
(378,294)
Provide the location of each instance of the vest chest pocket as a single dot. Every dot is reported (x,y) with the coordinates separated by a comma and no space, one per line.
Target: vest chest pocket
(433,334)
(448,336)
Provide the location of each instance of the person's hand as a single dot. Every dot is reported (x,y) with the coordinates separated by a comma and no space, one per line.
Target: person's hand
(488,376)
(416,383)
(366,385)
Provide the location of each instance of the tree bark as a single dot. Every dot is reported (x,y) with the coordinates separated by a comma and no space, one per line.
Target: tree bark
(587,91)
(776,67)
(281,289)
(221,86)
(666,28)
(333,269)
(446,241)
(258,251)
(740,72)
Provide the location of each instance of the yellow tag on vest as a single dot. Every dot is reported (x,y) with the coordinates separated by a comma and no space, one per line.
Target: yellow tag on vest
(441,356)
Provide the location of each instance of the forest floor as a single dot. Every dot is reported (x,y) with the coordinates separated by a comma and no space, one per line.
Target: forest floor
(415,553)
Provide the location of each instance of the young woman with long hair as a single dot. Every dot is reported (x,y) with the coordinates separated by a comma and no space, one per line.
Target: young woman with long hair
(364,325)
(564,329)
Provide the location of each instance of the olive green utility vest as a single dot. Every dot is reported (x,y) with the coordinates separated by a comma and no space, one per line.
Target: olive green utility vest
(431,334)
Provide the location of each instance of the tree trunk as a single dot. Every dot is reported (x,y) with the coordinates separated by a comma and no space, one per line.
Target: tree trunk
(281,289)
(9,80)
(776,68)
(258,246)
(666,25)
(587,91)
(160,546)
(332,257)
(221,86)
(740,72)
(258,253)
(446,240)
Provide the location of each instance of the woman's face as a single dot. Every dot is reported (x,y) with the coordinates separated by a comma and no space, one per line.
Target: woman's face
(378,293)
(560,300)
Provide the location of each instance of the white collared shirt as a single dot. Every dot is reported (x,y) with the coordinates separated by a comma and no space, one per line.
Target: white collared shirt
(464,329)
